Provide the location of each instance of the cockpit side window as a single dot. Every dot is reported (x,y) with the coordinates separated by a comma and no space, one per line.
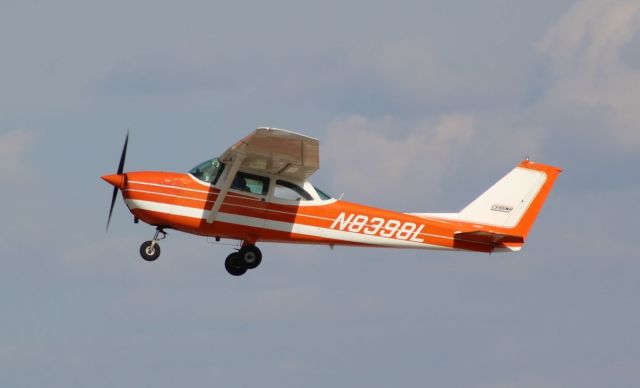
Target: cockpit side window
(250,183)
(208,171)
(290,191)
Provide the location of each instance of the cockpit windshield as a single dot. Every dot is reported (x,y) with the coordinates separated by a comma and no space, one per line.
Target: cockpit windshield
(208,171)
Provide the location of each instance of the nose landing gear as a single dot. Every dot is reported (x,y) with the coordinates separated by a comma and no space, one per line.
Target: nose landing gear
(150,250)
(248,257)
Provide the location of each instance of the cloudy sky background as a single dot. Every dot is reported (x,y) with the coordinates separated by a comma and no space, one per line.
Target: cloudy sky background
(419,106)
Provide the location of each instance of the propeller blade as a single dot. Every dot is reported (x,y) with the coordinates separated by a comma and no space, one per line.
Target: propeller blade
(123,156)
(113,202)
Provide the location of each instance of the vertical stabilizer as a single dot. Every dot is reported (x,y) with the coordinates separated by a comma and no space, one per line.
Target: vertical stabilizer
(515,200)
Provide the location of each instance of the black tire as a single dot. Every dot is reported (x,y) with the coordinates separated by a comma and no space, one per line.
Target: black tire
(233,266)
(150,251)
(250,256)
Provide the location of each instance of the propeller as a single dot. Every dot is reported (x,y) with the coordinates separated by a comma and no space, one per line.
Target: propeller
(123,156)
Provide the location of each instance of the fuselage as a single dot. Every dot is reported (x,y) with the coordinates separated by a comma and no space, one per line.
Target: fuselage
(183,202)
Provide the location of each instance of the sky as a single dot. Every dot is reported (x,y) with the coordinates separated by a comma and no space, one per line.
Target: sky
(419,107)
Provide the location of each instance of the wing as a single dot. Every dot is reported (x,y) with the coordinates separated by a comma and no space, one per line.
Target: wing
(271,151)
(276,151)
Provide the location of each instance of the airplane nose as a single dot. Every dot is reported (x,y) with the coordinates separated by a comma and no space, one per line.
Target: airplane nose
(117,180)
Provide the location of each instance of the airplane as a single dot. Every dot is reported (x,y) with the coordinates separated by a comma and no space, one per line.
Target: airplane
(258,191)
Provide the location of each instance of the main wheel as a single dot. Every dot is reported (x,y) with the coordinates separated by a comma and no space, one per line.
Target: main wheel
(233,265)
(149,251)
(250,256)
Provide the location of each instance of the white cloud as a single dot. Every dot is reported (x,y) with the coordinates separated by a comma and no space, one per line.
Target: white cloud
(584,50)
(370,158)
(13,147)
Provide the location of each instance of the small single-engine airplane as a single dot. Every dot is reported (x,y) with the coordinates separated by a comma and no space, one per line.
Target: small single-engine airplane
(258,191)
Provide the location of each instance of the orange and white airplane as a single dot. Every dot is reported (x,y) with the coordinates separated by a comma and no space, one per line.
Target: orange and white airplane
(258,191)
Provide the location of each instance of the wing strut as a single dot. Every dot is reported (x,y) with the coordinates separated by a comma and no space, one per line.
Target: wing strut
(237,161)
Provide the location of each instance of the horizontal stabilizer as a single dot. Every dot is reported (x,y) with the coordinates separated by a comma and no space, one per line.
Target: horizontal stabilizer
(489,237)
(489,241)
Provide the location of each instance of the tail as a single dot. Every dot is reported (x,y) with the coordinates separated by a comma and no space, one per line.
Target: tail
(501,218)
(509,208)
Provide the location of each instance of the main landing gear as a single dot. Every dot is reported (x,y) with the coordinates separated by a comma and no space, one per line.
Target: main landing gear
(248,257)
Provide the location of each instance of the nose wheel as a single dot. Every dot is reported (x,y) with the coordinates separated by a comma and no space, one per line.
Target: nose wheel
(248,257)
(150,250)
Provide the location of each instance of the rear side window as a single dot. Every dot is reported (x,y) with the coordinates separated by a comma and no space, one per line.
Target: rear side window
(324,196)
(250,183)
(290,191)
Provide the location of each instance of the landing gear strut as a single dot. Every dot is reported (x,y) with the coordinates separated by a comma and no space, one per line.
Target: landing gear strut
(150,250)
(248,257)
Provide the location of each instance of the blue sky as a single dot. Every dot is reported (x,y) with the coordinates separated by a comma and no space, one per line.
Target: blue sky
(419,106)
